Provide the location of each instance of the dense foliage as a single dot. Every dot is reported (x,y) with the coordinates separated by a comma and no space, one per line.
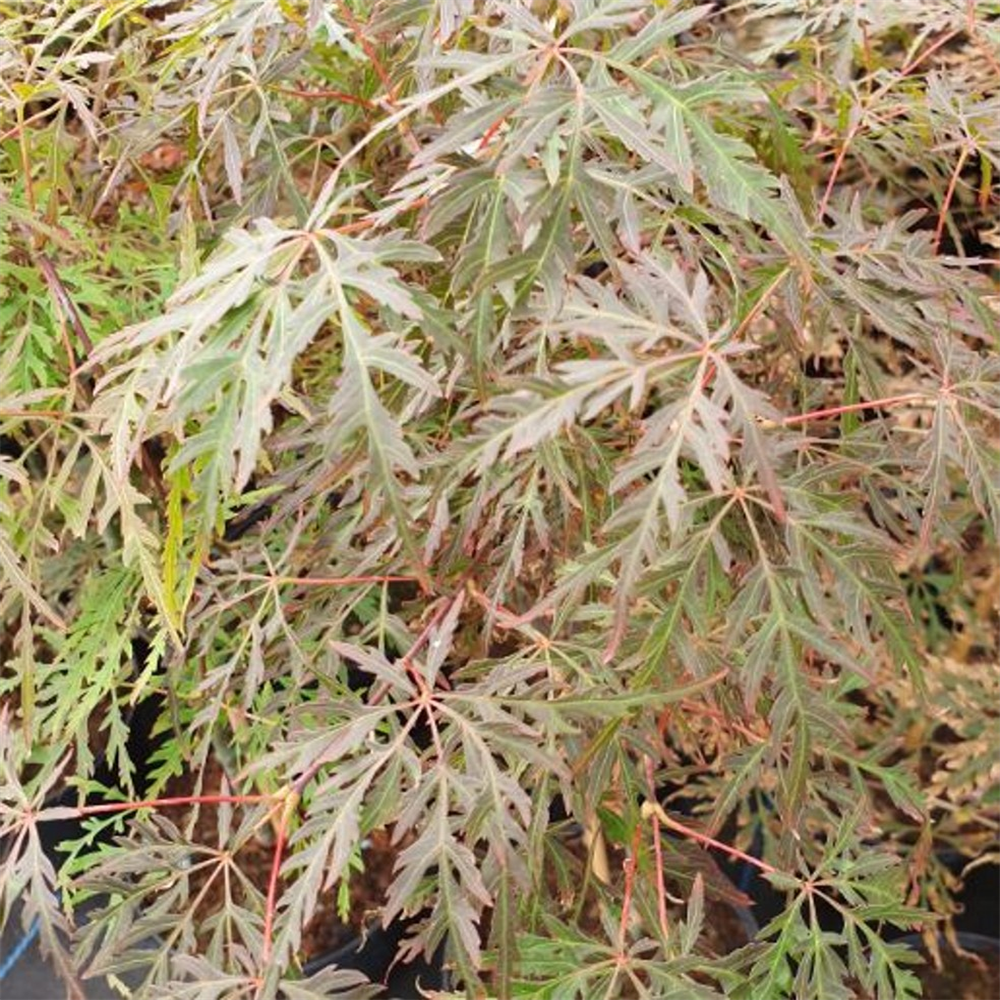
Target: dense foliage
(462,415)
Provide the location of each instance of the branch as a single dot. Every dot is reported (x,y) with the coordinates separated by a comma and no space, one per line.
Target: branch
(652,809)
(836,411)
(324,95)
(949,194)
(908,68)
(327,581)
(291,802)
(661,890)
(65,303)
(179,800)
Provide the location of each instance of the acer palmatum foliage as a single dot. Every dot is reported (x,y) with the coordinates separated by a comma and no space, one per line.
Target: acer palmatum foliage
(481,412)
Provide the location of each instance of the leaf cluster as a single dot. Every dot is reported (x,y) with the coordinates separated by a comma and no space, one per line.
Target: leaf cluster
(475,421)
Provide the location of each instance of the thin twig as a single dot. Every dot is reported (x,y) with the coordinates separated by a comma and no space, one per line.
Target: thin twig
(758,306)
(323,95)
(55,415)
(16,130)
(836,411)
(881,92)
(949,194)
(360,225)
(270,908)
(652,808)
(661,890)
(628,865)
(325,581)
(66,308)
(390,91)
(22,143)
(179,800)
(407,661)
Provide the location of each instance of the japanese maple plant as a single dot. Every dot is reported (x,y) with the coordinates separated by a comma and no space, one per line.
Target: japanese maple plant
(557,436)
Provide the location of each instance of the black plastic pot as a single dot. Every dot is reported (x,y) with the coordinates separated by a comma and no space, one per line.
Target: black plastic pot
(977,927)
(979,899)
(374,955)
(978,918)
(973,974)
(978,944)
(25,975)
(28,976)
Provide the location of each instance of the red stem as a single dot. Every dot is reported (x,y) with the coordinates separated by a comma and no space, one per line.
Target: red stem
(291,801)
(180,800)
(390,91)
(407,661)
(272,883)
(949,194)
(837,164)
(629,866)
(491,131)
(701,838)
(360,225)
(320,95)
(834,411)
(856,127)
(330,581)
(369,51)
(661,890)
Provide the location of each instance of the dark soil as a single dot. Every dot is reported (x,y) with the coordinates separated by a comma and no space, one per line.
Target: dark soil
(962,977)
(325,932)
(723,931)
